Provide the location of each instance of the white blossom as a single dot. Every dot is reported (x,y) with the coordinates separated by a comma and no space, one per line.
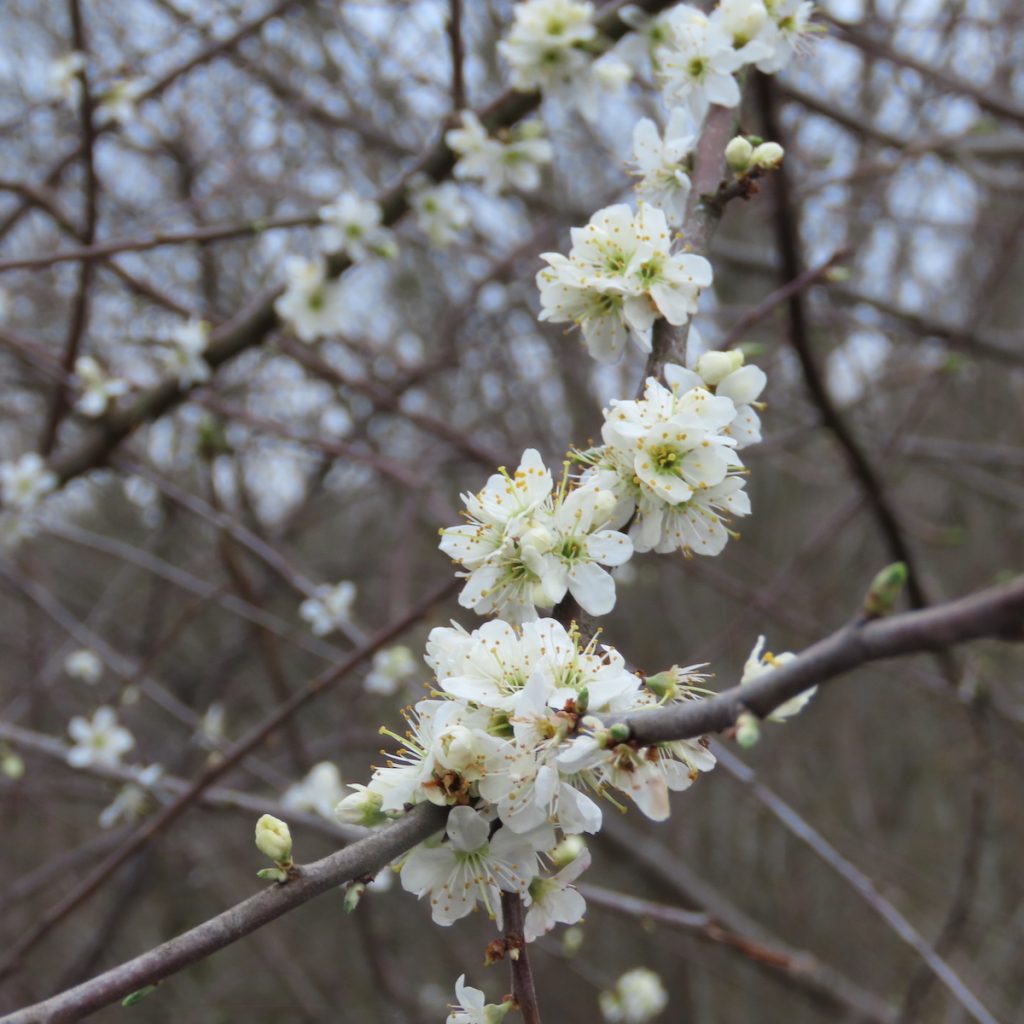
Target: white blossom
(441,213)
(24,483)
(390,667)
(183,353)
(311,305)
(352,225)
(98,387)
(658,161)
(696,64)
(63,78)
(548,47)
(471,1006)
(785,32)
(638,997)
(555,900)
(99,741)
(670,457)
(319,792)
(133,800)
(329,608)
(618,278)
(525,546)
(510,160)
(85,665)
(470,865)
(759,664)
(118,104)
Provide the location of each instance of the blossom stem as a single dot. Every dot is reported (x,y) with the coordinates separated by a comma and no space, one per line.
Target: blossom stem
(523,990)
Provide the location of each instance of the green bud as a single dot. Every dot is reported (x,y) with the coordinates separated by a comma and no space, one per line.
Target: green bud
(885,590)
(137,996)
(12,766)
(619,732)
(748,729)
(353,894)
(572,941)
(273,874)
(583,701)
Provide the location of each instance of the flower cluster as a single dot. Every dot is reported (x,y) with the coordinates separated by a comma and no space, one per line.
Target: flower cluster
(98,387)
(352,225)
(671,459)
(329,608)
(511,160)
(619,277)
(527,544)
(501,742)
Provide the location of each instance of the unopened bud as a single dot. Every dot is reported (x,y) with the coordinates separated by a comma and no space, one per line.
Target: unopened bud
(714,367)
(885,590)
(12,766)
(619,732)
(353,894)
(567,851)
(583,700)
(572,941)
(738,154)
(361,808)
(768,156)
(274,840)
(539,538)
(456,748)
(748,729)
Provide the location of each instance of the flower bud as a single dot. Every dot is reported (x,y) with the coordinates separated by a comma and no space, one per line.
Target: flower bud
(768,156)
(748,730)
(604,505)
(353,894)
(567,851)
(12,765)
(885,590)
(361,808)
(714,367)
(738,154)
(273,839)
(538,538)
(572,940)
(456,748)
(610,73)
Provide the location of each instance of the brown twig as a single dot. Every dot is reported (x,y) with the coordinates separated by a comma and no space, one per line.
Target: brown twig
(524,991)
(80,303)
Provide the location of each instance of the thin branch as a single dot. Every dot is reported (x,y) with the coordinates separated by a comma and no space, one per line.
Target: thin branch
(523,990)
(80,304)
(996,613)
(798,968)
(776,298)
(458,59)
(860,882)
